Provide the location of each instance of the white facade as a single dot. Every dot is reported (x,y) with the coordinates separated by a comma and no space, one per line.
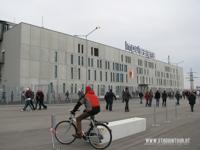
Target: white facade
(36,56)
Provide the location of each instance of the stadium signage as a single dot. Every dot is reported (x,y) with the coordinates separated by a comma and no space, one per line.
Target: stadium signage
(139,51)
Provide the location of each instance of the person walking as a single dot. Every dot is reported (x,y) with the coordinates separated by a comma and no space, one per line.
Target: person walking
(150,97)
(141,95)
(192,100)
(80,94)
(164,98)
(146,96)
(28,99)
(110,97)
(67,96)
(157,97)
(40,100)
(177,95)
(127,96)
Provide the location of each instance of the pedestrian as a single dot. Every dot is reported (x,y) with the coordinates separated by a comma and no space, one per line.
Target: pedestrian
(150,97)
(177,95)
(146,96)
(164,98)
(28,99)
(127,96)
(67,96)
(40,100)
(110,97)
(141,95)
(80,94)
(192,100)
(157,97)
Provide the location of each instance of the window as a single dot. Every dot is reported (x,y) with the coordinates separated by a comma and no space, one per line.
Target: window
(82,61)
(82,49)
(72,59)
(128,59)
(75,88)
(92,62)
(88,74)
(56,71)
(121,77)
(88,62)
(56,56)
(79,48)
(91,51)
(100,75)
(79,73)
(95,75)
(125,68)
(79,60)
(140,62)
(117,77)
(97,63)
(122,58)
(106,76)
(113,77)
(100,61)
(72,75)
(96,52)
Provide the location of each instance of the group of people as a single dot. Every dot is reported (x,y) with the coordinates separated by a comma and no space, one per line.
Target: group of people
(190,95)
(110,96)
(29,98)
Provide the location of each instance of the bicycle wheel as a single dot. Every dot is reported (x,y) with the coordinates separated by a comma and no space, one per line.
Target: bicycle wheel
(100,136)
(64,131)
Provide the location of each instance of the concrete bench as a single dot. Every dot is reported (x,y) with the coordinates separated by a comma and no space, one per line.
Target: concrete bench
(127,127)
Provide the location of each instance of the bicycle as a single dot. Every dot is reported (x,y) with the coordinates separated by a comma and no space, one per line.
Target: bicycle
(99,135)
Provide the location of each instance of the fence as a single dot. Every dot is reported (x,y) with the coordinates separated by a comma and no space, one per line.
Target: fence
(13,95)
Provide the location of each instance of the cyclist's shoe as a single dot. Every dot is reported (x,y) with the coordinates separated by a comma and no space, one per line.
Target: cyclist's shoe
(79,136)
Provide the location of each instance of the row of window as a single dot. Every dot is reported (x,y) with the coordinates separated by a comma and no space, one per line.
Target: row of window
(144,80)
(94,51)
(159,82)
(114,77)
(99,62)
(146,64)
(127,59)
(164,75)
(142,71)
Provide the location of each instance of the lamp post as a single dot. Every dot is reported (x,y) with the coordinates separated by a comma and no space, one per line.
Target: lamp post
(86,38)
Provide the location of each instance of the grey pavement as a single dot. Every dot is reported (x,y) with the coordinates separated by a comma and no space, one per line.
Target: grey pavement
(30,130)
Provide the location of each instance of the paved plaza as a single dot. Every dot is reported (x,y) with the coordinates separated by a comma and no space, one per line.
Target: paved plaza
(30,130)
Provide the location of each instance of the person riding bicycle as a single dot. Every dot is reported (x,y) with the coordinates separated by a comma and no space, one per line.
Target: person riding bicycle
(92,107)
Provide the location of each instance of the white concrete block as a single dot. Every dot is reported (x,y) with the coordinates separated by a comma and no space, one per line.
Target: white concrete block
(127,127)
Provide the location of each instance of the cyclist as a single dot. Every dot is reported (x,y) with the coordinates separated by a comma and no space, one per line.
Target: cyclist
(92,107)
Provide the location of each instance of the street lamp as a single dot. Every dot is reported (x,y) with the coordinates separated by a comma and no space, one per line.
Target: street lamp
(86,38)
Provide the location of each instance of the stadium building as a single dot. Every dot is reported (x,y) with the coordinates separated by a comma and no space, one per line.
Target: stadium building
(36,57)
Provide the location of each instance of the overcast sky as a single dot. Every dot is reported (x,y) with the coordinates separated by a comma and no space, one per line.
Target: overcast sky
(165,27)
